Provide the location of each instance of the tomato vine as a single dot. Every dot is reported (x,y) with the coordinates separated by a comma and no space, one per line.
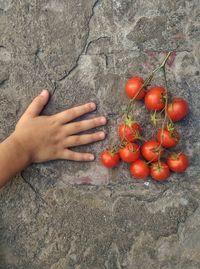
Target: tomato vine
(156,99)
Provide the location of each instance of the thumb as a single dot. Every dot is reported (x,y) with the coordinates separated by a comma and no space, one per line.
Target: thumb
(37,105)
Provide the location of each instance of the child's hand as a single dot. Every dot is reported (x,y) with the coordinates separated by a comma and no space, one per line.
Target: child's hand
(44,138)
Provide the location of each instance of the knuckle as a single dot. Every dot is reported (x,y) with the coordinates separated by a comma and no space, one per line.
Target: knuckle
(97,121)
(78,140)
(53,120)
(71,155)
(38,99)
(57,137)
(86,108)
(95,136)
(73,112)
(78,125)
(85,157)
(56,152)
(92,122)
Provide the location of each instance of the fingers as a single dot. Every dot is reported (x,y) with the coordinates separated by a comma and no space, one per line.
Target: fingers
(75,112)
(77,156)
(80,126)
(37,104)
(77,140)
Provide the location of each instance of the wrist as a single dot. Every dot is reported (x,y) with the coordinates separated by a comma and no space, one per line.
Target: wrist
(18,147)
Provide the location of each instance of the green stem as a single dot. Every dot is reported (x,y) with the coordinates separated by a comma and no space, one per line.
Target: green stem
(165,108)
(146,83)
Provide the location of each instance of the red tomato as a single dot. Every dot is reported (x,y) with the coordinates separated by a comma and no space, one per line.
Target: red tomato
(154,98)
(130,152)
(168,138)
(139,169)
(129,131)
(151,150)
(133,86)
(177,162)
(109,159)
(159,171)
(178,109)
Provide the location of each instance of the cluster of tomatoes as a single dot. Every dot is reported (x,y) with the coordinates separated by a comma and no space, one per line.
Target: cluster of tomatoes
(146,159)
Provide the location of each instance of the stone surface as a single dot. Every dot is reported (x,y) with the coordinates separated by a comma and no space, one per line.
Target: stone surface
(85,50)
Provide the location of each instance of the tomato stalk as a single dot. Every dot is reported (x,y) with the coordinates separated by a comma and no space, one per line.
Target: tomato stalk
(165,108)
(146,83)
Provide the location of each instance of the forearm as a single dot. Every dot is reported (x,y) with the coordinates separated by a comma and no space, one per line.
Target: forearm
(13,159)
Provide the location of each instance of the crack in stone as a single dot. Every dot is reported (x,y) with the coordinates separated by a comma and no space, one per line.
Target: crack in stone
(142,198)
(84,46)
(33,189)
(105,56)
(95,40)
(53,83)
(135,50)
(3,81)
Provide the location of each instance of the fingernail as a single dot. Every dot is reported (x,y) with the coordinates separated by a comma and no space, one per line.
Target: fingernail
(93,106)
(91,157)
(103,120)
(102,135)
(44,92)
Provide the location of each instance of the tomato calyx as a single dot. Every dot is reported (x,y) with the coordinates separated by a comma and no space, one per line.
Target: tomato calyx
(129,146)
(163,97)
(175,156)
(173,132)
(158,166)
(170,127)
(133,127)
(129,121)
(157,149)
(153,118)
(112,151)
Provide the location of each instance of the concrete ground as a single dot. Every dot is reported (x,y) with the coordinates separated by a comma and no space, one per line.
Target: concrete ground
(85,50)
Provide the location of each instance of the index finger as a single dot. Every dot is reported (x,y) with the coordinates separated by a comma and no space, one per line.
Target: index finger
(75,112)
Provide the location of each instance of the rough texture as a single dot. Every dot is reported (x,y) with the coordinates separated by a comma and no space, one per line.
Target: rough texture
(85,50)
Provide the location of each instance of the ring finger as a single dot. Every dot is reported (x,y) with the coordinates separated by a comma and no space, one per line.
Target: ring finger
(77,140)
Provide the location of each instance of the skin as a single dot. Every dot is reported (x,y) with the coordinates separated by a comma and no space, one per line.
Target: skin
(42,138)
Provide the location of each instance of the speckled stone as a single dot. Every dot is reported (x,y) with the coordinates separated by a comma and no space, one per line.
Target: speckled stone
(67,215)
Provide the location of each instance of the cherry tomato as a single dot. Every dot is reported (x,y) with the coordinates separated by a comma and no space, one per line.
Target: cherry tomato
(159,171)
(177,162)
(130,152)
(129,130)
(178,109)
(154,98)
(139,169)
(168,138)
(109,159)
(133,86)
(151,150)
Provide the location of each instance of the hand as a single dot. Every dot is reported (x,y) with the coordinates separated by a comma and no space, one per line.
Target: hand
(44,138)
